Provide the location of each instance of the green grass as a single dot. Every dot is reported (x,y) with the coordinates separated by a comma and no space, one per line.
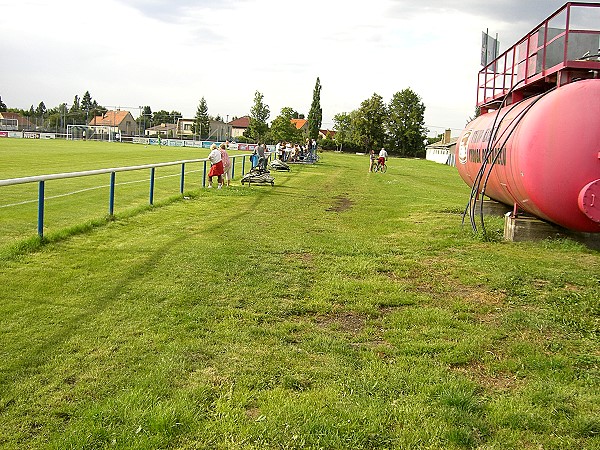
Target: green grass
(338,309)
(85,200)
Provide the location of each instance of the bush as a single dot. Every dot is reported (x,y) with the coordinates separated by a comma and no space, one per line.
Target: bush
(328,144)
(243,140)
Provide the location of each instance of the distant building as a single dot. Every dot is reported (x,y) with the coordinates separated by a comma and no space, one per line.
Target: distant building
(443,151)
(219,130)
(327,134)
(115,122)
(14,122)
(185,128)
(164,129)
(239,126)
(301,124)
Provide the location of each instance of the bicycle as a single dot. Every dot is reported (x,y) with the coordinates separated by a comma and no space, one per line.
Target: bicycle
(378,167)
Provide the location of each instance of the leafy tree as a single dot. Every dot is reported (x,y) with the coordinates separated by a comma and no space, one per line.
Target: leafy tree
(175,115)
(201,124)
(475,116)
(290,112)
(406,123)
(315,115)
(259,114)
(56,116)
(163,116)
(145,118)
(282,128)
(343,128)
(369,122)
(2,105)
(40,110)
(84,109)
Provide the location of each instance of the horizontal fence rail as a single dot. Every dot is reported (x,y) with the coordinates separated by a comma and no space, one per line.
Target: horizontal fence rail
(41,180)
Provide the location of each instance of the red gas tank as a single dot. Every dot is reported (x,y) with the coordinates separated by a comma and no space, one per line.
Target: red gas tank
(545,152)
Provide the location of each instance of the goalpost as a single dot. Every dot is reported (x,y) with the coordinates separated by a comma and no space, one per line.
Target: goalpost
(90,132)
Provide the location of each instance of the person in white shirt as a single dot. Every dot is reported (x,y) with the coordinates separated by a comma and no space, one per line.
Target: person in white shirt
(216,166)
(382,156)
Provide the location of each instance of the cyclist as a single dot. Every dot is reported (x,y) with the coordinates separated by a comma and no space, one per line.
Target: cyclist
(382,156)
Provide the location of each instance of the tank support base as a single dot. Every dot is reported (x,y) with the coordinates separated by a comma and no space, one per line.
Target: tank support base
(529,228)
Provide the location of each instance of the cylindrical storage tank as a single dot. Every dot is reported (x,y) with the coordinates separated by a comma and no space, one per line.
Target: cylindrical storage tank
(547,155)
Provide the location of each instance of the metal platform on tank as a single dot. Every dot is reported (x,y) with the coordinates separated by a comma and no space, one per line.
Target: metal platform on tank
(563,48)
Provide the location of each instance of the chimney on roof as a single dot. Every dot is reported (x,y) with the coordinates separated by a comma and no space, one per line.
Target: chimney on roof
(447,136)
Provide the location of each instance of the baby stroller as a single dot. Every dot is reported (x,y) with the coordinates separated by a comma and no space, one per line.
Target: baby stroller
(279,165)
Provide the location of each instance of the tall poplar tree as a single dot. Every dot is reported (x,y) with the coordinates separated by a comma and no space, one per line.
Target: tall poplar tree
(315,115)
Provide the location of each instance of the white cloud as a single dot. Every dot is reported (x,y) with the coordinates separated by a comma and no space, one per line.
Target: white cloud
(169,54)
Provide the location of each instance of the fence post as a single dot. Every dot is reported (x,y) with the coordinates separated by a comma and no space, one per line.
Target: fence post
(111,198)
(152,170)
(233,167)
(204,175)
(243,164)
(41,209)
(182,178)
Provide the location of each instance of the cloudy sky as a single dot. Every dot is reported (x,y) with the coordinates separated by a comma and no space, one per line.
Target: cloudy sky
(169,54)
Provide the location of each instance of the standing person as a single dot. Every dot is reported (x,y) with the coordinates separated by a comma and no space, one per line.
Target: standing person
(227,163)
(254,157)
(262,159)
(382,156)
(216,166)
(371,160)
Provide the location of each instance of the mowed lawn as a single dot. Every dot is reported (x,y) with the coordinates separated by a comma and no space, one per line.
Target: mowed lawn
(339,309)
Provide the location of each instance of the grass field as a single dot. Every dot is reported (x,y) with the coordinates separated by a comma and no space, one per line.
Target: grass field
(339,309)
(85,200)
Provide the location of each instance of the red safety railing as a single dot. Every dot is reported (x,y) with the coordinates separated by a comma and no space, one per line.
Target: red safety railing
(563,48)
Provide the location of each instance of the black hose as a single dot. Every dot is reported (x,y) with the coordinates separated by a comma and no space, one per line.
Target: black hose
(516,123)
(476,182)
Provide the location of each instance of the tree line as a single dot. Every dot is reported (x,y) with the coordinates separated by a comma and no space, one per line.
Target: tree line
(398,125)
(82,110)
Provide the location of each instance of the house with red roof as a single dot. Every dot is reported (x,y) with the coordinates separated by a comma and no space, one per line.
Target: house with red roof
(327,134)
(239,126)
(112,122)
(301,124)
(14,121)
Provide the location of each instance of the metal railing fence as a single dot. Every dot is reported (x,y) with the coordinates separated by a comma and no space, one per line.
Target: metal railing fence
(41,180)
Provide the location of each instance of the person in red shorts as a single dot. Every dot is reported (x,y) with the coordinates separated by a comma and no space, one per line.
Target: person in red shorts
(382,156)
(216,166)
